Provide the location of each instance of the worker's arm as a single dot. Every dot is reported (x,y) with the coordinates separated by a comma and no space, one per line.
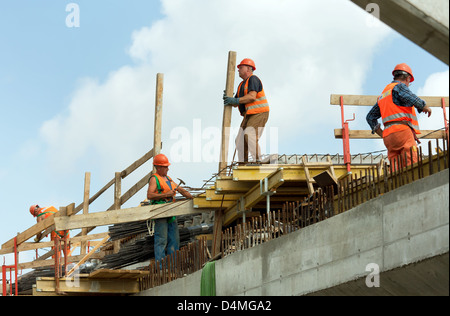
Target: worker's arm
(185,193)
(372,119)
(248,98)
(182,191)
(403,96)
(427,109)
(152,193)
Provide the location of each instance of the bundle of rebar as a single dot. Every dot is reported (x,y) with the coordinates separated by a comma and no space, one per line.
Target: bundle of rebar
(142,249)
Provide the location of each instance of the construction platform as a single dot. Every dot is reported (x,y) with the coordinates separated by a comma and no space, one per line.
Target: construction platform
(287,178)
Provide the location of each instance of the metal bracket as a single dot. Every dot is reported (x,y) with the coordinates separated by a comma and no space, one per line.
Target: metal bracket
(264,187)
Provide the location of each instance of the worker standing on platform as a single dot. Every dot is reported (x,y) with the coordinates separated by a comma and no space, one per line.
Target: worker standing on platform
(396,108)
(161,190)
(253,106)
(42,213)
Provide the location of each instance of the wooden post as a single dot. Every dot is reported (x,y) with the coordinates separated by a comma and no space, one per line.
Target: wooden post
(226,123)
(117,203)
(227,111)
(87,187)
(158,114)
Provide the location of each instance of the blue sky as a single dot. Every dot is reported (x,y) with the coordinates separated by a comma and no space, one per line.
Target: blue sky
(82,99)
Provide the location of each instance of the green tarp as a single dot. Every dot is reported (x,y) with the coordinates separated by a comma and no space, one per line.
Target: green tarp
(208,282)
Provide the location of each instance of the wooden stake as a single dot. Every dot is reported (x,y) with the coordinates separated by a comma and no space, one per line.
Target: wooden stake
(158,114)
(226,123)
(87,186)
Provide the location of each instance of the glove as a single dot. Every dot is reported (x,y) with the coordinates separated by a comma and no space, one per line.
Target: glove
(230,101)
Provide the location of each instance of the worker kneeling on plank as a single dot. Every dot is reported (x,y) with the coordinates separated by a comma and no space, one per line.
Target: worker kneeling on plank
(161,190)
(42,213)
(396,108)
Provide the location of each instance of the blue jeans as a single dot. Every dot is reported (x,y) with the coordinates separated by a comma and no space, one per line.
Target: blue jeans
(167,238)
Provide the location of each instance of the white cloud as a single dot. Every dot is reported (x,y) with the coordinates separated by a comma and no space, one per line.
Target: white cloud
(436,84)
(304,51)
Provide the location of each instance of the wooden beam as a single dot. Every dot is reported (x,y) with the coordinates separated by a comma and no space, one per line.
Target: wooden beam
(32,231)
(86,193)
(86,257)
(40,263)
(252,197)
(87,285)
(127,215)
(158,114)
(370,100)
(367,134)
(38,245)
(223,162)
(227,111)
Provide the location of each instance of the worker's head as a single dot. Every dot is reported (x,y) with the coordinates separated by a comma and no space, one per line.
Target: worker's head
(161,163)
(246,68)
(403,73)
(34,209)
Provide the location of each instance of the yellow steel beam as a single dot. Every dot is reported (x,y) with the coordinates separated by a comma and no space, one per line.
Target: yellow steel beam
(228,186)
(213,195)
(291,172)
(200,202)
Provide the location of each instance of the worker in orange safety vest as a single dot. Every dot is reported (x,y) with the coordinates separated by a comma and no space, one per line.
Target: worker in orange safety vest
(42,213)
(397,107)
(161,190)
(251,100)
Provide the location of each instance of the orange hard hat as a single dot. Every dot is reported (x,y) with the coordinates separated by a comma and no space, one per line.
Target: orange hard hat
(33,209)
(247,62)
(404,67)
(161,160)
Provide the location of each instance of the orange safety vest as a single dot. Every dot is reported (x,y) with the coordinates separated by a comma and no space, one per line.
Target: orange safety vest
(260,105)
(162,187)
(48,211)
(396,118)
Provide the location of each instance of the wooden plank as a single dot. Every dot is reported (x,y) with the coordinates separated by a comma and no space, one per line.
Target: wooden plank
(32,231)
(38,245)
(370,100)
(86,257)
(87,285)
(137,163)
(117,274)
(127,215)
(367,134)
(227,111)
(51,262)
(86,193)
(158,113)
(223,162)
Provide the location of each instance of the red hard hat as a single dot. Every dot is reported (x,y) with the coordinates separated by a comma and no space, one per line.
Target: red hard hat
(33,208)
(404,67)
(161,160)
(247,62)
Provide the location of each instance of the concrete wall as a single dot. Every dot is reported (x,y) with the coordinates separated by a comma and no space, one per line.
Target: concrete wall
(401,227)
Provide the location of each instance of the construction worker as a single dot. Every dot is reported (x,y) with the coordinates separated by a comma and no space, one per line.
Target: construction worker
(253,106)
(161,190)
(42,213)
(396,106)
